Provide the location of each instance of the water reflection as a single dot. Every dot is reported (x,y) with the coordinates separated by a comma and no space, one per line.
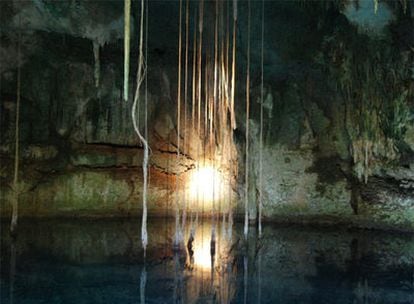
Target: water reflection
(203,249)
(102,262)
(209,267)
(259,276)
(12,268)
(143,283)
(246,277)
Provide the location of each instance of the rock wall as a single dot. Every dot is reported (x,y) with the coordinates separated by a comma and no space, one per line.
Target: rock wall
(327,156)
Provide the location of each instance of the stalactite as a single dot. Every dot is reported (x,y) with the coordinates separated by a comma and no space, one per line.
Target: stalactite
(15,186)
(246,202)
(127,29)
(375,6)
(404,5)
(97,67)
(140,77)
(261,126)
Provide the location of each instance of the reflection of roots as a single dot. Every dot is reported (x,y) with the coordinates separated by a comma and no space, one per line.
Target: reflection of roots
(212,248)
(190,261)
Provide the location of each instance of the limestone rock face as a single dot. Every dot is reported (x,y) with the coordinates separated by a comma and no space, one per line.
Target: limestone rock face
(291,188)
(324,124)
(90,193)
(389,196)
(409,137)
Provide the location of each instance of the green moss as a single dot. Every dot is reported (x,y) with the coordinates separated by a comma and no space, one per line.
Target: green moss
(89,191)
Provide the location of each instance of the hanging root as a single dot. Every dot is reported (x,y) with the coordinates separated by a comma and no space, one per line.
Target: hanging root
(178,233)
(140,77)
(185,135)
(212,106)
(246,203)
(127,29)
(261,127)
(233,68)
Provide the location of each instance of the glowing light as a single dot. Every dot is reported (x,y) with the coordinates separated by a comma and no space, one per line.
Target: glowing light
(206,184)
(202,256)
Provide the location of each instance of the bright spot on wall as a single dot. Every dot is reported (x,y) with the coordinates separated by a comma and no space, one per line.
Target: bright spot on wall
(206,186)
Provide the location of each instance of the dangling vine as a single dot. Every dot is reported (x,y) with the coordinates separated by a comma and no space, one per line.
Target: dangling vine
(178,232)
(127,29)
(261,125)
(246,199)
(140,77)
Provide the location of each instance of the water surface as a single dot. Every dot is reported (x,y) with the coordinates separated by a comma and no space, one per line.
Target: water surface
(102,262)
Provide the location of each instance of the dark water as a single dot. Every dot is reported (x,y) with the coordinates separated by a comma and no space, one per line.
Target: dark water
(102,262)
